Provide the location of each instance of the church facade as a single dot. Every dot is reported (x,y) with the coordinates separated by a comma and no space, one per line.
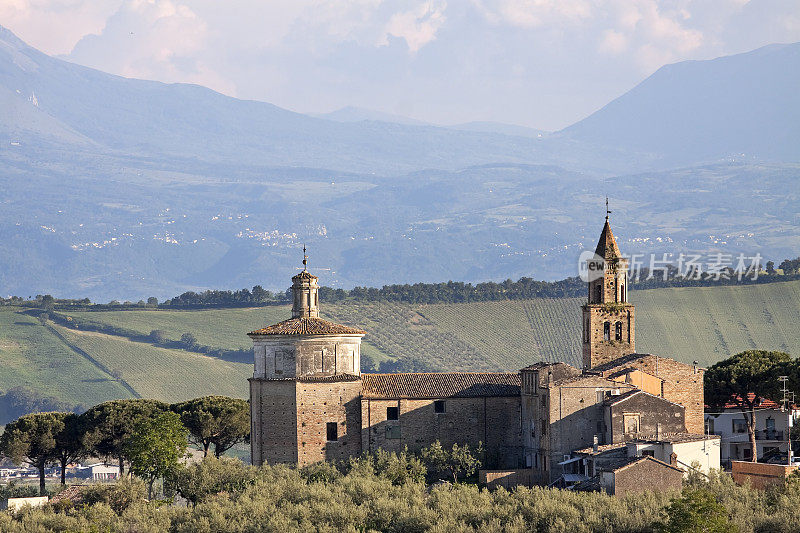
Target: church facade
(310,402)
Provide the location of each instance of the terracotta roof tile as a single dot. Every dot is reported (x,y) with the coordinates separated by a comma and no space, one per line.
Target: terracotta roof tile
(307,326)
(335,378)
(440,385)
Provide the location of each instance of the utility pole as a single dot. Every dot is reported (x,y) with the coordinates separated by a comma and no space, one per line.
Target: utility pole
(785,408)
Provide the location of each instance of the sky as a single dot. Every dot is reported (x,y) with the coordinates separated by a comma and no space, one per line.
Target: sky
(538,63)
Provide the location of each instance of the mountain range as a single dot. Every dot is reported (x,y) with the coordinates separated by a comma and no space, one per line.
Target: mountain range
(124,188)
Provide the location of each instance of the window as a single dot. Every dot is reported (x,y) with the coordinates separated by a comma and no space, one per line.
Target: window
(587,331)
(648,453)
(709,426)
(631,423)
(622,293)
(439,407)
(392,413)
(598,294)
(392,432)
(739,425)
(607,331)
(332,431)
(618,331)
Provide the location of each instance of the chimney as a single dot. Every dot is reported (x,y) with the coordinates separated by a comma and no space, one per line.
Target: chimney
(658,432)
(673,459)
(595,444)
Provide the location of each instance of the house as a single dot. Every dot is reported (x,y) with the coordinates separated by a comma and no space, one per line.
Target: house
(593,468)
(98,472)
(773,426)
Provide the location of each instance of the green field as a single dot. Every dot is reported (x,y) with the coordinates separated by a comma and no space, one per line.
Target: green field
(704,324)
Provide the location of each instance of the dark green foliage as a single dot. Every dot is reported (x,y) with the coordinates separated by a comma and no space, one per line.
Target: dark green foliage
(32,439)
(109,425)
(19,401)
(696,511)
(119,496)
(211,476)
(156,446)
(458,462)
(751,371)
(218,420)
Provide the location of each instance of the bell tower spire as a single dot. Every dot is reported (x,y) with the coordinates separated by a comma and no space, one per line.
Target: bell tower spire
(305,292)
(608,318)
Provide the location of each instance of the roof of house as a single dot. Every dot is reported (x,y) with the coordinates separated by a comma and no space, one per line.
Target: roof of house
(637,460)
(73,493)
(676,438)
(307,326)
(545,364)
(440,385)
(633,358)
(760,403)
(628,394)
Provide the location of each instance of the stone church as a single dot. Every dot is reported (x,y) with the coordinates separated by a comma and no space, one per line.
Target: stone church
(310,402)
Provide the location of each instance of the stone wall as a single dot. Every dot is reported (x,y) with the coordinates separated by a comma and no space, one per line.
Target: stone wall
(654,414)
(643,476)
(493,421)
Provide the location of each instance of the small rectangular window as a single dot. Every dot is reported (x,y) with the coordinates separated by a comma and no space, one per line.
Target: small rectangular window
(650,453)
(392,413)
(332,431)
(392,432)
(439,406)
(739,425)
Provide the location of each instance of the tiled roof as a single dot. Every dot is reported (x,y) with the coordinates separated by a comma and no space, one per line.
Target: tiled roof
(335,378)
(444,385)
(632,358)
(307,326)
(761,403)
(73,493)
(544,364)
(624,396)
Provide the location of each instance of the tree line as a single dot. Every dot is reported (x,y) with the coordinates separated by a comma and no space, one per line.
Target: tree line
(148,435)
(422,293)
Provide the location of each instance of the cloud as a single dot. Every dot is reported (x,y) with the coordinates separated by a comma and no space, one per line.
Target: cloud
(54,26)
(153,39)
(418,26)
(543,63)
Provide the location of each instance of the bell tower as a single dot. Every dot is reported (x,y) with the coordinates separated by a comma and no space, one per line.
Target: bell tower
(608,318)
(305,293)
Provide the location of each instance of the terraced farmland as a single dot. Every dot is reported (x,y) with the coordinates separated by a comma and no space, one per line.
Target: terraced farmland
(704,324)
(168,375)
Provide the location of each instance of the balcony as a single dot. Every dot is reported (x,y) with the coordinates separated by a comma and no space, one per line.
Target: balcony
(769,434)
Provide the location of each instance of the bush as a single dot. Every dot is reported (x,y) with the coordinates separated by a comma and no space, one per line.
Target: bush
(119,496)
(211,476)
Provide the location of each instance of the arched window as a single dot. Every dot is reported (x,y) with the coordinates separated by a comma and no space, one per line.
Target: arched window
(622,293)
(629,326)
(618,331)
(598,294)
(607,331)
(586,331)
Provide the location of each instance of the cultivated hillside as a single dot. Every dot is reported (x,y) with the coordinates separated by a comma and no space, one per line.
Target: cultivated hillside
(78,366)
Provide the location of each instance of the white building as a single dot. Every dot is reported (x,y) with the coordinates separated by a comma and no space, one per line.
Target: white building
(773,427)
(99,472)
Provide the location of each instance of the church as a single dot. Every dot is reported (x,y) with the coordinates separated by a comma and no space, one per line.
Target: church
(310,402)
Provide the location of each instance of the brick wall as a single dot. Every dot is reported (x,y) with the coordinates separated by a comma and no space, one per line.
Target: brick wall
(596,350)
(273,437)
(759,475)
(321,403)
(494,421)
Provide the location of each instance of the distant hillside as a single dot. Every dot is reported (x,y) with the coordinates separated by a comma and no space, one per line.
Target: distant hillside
(743,107)
(76,366)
